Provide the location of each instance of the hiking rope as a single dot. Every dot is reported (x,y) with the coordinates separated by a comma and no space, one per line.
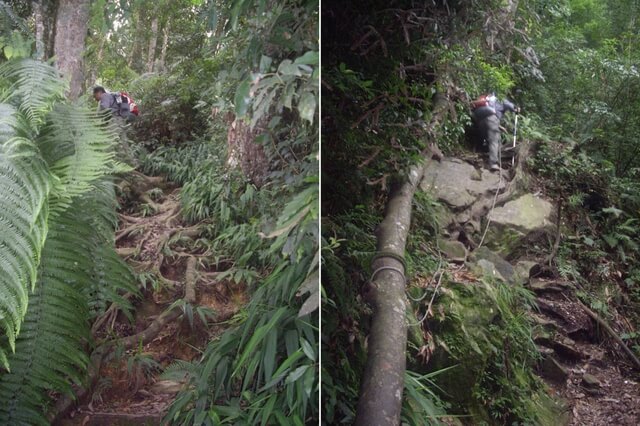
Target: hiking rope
(495,198)
(426,313)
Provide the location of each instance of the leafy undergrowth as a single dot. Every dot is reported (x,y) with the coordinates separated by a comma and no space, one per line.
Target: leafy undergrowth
(158,245)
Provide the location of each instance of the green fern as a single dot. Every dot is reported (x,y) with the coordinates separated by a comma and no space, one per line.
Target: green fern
(54,165)
(50,153)
(78,150)
(24,187)
(79,273)
(50,350)
(33,86)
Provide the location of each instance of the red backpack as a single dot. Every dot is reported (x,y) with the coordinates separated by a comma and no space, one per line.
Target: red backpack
(124,98)
(484,100)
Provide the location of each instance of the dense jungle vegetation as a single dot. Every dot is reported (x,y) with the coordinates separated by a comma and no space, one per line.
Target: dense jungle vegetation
(219,206)
(398,78)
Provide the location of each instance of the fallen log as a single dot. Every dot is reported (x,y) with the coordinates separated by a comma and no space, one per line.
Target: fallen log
(380,401)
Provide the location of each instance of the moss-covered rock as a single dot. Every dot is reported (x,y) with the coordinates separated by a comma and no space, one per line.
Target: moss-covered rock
(483,345)
(512,223)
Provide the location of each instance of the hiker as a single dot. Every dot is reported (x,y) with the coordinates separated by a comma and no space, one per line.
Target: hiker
(487,113)
(120,113)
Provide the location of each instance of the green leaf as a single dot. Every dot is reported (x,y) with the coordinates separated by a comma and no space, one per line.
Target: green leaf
(8,51)
(287,67)
(307,106)
(309,58)
(308,349)
(296,374)
(265,63)
(242,99)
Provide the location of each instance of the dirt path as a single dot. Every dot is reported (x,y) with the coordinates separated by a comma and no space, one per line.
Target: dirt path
(175,268)
(581,364)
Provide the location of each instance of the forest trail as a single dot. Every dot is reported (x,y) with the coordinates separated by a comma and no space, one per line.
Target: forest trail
(582,365)
(182,307)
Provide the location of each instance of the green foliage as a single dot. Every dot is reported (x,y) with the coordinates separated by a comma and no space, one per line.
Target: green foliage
(264,369)
(53,168)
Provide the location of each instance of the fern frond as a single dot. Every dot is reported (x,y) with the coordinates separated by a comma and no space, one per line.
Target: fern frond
(34,87)
(24,188)
(111,277)
(50,349)
(79,150)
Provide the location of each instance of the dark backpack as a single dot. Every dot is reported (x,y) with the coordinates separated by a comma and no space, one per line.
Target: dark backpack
(123,98)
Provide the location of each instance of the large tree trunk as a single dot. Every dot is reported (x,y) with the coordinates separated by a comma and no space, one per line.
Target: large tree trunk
(71,32)
(136,47)
(151,57)
(39,17)
(44,20)
(165,45)
(380,400)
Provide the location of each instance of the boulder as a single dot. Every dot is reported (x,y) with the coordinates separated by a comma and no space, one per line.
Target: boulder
(522,270)
(457,183)
(501,266)
(454,250)
(516,220)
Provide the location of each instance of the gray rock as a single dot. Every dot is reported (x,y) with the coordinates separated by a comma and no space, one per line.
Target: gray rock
(527,217)
(454,250)
(457,183)
(590,381)
(522,270)
(526,214)
(553,370)
(503,267)
(487,268)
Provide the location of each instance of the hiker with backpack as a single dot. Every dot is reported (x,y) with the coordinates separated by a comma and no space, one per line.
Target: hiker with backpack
(123,109)
(487,112)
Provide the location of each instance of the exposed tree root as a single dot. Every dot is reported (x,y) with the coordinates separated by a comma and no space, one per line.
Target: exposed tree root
(150,244)
(103,351)
(612,333)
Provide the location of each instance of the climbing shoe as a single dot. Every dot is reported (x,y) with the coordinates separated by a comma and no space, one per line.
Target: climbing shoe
(494,168)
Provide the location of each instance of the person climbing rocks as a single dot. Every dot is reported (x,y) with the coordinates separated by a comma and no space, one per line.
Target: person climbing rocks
(487,114)
(119,113)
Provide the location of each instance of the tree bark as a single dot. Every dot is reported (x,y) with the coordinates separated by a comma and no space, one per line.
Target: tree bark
(151,57)
(136,46)
(44,22)
(382,385)
(39,16)
(71,32)
(383,379)
(165,45)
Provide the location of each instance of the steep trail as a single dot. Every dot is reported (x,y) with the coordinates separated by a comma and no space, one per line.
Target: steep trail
(182,307)
(581,364)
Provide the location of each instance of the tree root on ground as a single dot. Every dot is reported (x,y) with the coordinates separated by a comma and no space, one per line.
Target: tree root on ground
(152,238)
(66,403)
(612,333)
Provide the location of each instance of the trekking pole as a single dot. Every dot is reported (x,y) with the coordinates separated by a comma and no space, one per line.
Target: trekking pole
(515,131)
